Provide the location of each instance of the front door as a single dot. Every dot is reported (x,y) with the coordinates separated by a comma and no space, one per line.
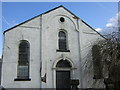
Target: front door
(62,80)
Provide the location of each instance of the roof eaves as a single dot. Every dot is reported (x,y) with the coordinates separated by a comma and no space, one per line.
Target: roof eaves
(92,29)
(48,12)
(21,24)
(71,13)
(31,19)
(52,9)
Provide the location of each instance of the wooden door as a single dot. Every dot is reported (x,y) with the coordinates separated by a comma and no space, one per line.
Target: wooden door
(63,80)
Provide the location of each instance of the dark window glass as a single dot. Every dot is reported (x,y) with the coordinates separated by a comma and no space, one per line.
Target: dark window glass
(23,72)
(63,63)
(62,41)
(23,62)
(97,63)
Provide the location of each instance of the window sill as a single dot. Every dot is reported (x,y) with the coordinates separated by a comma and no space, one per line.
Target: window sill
(63,50)
(19,79)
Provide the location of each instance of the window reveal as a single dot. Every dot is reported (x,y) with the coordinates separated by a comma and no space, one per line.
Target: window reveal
(23,62)
(62,41)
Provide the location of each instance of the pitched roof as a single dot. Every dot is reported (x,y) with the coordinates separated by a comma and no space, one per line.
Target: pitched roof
(50,11)
(32,18)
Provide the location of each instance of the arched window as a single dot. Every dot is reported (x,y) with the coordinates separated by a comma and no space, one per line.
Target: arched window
(23,62)
(62,41)
(64,63)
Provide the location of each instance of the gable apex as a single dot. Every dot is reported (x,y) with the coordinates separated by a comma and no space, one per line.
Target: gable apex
(61,6)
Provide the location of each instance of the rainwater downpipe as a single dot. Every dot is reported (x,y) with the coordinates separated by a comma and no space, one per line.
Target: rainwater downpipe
(40,50)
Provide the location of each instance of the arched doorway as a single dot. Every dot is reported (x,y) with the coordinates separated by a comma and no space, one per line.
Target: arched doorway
(63,74)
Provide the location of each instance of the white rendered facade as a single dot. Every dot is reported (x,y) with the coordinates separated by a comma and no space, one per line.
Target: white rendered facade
(42,34)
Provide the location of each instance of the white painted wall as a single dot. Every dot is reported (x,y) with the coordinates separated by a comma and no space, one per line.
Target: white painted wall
(42,34)
(10,55)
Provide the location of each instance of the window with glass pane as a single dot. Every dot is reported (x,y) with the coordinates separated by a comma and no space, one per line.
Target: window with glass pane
(64,63)
(23,62)
(97,63)
(62,41)
(23,72)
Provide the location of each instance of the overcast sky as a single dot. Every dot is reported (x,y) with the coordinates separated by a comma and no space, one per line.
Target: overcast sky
(98,15)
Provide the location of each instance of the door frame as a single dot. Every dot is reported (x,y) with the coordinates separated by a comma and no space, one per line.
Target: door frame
(62,69)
